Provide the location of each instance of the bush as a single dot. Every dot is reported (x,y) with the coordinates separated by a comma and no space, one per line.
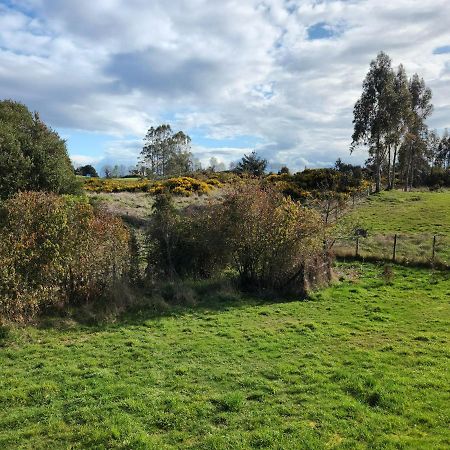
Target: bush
(271,242)
(57,250)
(32,156)
(182,186)
(274,242)
(185,244)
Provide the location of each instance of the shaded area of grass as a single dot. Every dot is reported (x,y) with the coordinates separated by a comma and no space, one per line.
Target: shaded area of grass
(362,364)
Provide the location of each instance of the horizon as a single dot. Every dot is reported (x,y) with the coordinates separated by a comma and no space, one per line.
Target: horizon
(101,75)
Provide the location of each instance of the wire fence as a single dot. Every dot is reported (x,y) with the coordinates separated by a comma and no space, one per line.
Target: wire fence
(420,248)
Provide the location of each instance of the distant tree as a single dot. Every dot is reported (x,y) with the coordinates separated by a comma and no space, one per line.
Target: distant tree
(252,164)
(87,171)
(196,164)
(284,170)
(32,156)
(373,112)
(215,165)
(107,171)
(443,157)
(165,152)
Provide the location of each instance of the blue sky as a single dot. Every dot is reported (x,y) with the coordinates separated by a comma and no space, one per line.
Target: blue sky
(278,76)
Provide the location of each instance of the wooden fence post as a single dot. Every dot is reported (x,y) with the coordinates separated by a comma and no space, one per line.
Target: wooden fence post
(395,248)
(434,248)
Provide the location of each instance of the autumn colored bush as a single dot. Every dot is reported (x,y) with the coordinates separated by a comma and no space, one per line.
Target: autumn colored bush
(269,241)
(57,250)
(274,242)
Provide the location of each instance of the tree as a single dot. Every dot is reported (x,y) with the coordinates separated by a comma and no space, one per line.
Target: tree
(373,112)
(414,148)
(401,116)
(252,164)
(32,156)
(165,152)
(443,157)
(87,171)
(215,165)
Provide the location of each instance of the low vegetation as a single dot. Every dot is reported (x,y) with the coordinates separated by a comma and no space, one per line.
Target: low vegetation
(180,186)
(267,240)
(57,250)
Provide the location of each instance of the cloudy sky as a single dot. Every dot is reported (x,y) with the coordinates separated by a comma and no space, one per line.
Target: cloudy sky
(278,76)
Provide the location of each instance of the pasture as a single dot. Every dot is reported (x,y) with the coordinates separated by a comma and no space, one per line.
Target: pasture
(361,364)
(416,217)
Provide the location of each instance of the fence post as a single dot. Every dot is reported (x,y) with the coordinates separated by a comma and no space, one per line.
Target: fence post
(395,248)
(434,248)
(357,246)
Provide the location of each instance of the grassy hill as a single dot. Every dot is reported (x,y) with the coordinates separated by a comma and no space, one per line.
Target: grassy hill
(414,216)
(364,363)
(406,212)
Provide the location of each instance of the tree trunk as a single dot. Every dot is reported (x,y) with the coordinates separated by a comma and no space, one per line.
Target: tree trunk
(389,168)
(378,167)
(393,168)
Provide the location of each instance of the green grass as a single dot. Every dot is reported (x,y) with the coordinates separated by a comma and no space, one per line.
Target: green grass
(406,212)
(414,216)
(363,364)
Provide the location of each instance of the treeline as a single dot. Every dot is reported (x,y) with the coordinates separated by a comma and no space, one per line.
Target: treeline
(390,119)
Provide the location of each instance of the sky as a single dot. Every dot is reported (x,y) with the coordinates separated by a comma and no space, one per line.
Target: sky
(277,76)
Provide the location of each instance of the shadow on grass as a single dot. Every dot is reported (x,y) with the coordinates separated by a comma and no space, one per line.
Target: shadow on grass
(167,300)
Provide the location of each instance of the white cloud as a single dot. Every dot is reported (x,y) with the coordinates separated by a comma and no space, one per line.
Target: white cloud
(224,69)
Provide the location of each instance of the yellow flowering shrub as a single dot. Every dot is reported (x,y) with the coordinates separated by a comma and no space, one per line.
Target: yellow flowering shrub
(182,186)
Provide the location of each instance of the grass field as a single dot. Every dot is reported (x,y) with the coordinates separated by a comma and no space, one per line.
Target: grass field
(414,216)
(363,364)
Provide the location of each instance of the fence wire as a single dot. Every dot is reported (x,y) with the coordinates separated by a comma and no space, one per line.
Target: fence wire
(420,248)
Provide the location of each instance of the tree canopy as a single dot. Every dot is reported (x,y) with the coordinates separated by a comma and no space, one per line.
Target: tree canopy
(166,153)
(86,171)
(252,164)
(390,119)
(32,156)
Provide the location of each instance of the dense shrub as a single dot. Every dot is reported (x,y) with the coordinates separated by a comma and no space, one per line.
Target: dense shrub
(32,156)
(57,250)
(185,244)
(273,240)
(268,240)
(437,178)
(182,186)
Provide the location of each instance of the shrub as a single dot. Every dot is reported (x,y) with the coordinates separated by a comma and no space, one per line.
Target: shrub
(32,156)
(271,242)
(185,244)
(274,242)
(182,186)
(57,250)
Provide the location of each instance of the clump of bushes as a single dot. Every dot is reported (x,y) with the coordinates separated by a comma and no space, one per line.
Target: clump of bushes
(182,186)
(267,240)
(116,185)
(57,250)
(185,186)
(183,244)
(274,242)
